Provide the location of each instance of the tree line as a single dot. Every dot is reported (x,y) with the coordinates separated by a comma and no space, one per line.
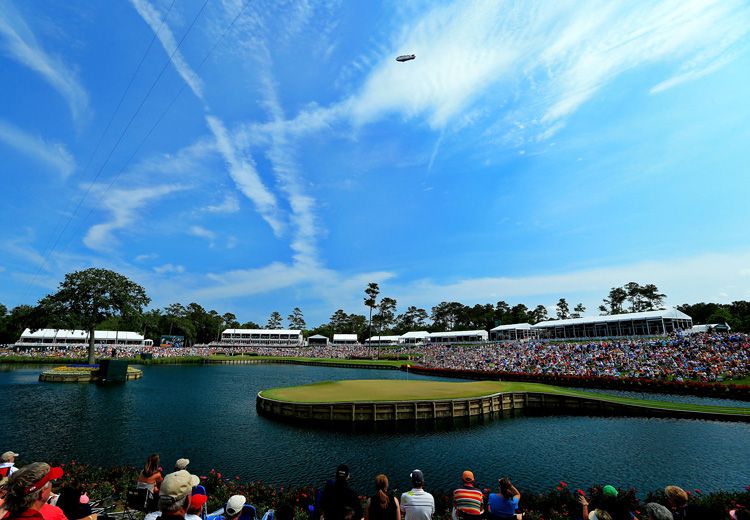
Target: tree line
(104,300)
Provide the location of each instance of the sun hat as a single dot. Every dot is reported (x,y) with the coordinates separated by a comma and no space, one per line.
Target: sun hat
(235,504)
(609,491)
(656,511)
(342,472)
(468,476)
(52,474)
(9,455)
(417,477)
(182,463)
(177,486)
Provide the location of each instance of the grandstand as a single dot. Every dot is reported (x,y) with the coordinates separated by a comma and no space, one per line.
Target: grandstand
(63,337)
(264,337)
(648,323)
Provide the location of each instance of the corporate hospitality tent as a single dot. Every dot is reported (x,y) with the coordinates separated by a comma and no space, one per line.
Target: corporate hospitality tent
(413,337)
(317,340)
(61,337)
(383,340)
(512,331)
(457,336)
(262,337)
(345,339)
(647,323)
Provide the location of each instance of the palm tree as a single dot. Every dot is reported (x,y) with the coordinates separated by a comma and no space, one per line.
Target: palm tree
(372,292)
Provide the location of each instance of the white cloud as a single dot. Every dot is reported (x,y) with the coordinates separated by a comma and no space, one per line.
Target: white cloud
(169,268)
(146,257)
(50,153)
(153,18)
(230,204)
(123,204)
(20,43)
(201,232)
(708,277)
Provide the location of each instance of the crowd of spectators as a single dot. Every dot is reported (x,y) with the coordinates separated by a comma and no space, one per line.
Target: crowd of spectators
(703,357)
(26,493)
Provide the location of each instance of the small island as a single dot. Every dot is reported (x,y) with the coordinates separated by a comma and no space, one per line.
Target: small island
(375,401)
(83,374)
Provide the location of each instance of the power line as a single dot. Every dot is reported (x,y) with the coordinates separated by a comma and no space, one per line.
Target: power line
(122,134)
(47,249)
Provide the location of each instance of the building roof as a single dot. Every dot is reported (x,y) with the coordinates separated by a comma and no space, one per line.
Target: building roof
(80,335)
(344,337)
(384,338)
(262,331)
(646,315)
(318,336)
(512,326)
(416,334)
(455,333)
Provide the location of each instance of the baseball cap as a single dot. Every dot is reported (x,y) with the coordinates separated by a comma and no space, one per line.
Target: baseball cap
(468,476)
(235,504)
(609,491)
(9,455)
(417,477)
(342,472)
(52,474)
(182,463)
(177,486)
(197,501)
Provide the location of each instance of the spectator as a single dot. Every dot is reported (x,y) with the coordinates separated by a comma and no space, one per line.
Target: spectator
(677,501)
(174,494)
(73,502)
(654,511)
(337,496)
(150,477)
(234,507)
(382,505)
(7,467)
(28,489)
(505,503)
(599,514)
(181,464)
(417,504)
(194,509)
(739,514)
(468,501)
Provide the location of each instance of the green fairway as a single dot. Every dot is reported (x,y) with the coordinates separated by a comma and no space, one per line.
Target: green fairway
(374,390)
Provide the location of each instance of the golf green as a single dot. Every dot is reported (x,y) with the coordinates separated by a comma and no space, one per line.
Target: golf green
(378,390)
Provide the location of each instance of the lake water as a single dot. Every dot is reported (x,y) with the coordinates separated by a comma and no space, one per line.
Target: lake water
(207,413)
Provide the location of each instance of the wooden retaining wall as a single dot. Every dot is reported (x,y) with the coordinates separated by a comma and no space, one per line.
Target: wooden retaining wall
(51,376)
(496,405)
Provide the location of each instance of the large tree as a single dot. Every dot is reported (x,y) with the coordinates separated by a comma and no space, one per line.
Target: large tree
(274,321)
(386,315)
(371,300)
(296,319)
(578,311)
(613,304)
(86,298)
(563,311)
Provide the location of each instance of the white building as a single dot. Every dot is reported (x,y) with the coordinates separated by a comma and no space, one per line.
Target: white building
(317,340)
(513,331)
(648,323)
(383,340)
(457,336)
(262,338)
(416,337)
(345,339)
(63,337)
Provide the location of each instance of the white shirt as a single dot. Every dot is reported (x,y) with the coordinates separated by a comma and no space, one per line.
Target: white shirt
(417,504)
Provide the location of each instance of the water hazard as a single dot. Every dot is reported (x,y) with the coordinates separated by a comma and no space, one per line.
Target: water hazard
(207,413)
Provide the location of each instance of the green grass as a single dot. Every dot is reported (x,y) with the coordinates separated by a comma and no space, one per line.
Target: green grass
(369,390)
(738,381)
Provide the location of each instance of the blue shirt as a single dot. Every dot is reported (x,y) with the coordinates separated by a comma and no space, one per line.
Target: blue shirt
(501,506)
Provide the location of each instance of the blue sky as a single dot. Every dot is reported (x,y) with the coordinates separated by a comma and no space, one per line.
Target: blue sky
(274,154)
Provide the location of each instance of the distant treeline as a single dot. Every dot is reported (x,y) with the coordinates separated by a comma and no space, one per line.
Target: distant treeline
(200,326)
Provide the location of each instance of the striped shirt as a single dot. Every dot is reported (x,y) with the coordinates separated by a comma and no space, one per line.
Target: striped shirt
(468,500)
(417,504)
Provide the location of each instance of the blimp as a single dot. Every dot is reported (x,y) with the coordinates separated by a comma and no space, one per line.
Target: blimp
(406,57)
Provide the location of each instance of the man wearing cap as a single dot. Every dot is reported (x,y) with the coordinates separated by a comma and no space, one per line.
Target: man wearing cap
(338,496)
(28,489)
(175,493)
(181,464)
(193,512)
(7,467)
(417,504)
(234,506)
(468,501)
